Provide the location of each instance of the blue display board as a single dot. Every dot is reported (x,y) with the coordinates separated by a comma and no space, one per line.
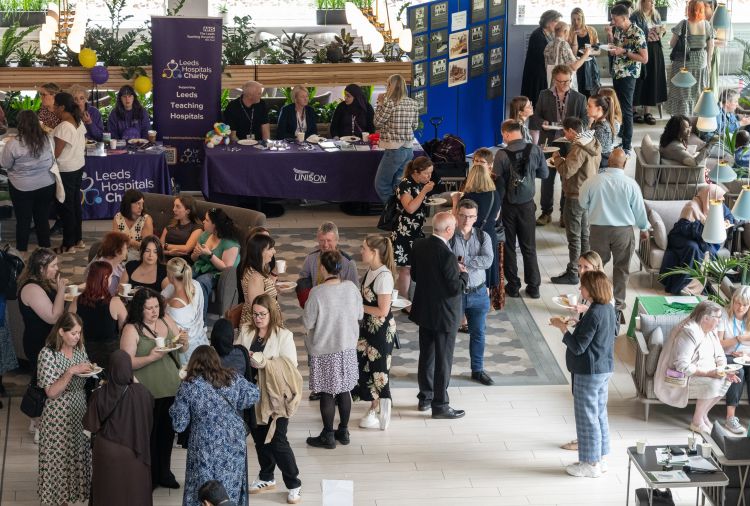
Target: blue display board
(458,59)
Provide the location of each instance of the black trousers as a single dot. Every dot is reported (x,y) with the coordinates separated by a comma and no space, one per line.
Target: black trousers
(519,222)
(276,453)
(435,363)
(70,211)
(735,389)
(32,204)
(162,437)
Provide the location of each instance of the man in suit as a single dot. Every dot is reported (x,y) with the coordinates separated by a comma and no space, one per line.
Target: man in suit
(554,105)
(440,283)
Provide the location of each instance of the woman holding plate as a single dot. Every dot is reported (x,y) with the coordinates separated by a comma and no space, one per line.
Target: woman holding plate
(733,332)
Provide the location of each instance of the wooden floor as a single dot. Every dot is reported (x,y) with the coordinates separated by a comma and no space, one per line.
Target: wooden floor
(504,452)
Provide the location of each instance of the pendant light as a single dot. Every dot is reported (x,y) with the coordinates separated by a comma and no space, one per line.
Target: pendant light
(351,11)
(405,40)
(741,209)
(706,124)
(722,19)
(683,79)
(722,173)
(707,104)
(714,231)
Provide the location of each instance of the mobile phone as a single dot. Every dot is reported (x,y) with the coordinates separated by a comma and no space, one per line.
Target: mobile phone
(460,259)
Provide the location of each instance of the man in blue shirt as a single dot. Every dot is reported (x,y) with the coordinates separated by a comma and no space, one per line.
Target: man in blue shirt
(615,205)
(727,118)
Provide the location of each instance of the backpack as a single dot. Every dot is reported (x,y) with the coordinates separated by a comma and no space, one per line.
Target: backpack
(11,266)
(449,149)
(518,161)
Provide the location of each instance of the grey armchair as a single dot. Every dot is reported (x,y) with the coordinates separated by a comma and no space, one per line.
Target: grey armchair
(660,181)
(733,455)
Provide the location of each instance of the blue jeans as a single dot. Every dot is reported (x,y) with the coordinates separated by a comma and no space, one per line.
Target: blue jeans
(475,307)
(390,171)
(590,393)
(207,282)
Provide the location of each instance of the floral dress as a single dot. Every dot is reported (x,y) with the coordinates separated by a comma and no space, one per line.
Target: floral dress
(409,225)
(64,450)
(375,345)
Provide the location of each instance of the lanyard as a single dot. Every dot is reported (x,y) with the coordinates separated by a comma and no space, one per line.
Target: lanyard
(561,105)
(739,331)
(301,121)
(251,116)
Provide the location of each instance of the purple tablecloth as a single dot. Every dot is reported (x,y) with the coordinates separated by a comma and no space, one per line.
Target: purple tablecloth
(341,176)
(107,178)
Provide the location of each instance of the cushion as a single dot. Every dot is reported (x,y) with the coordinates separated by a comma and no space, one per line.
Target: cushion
(656,258)
(649,151)
(660,230)
(655,343)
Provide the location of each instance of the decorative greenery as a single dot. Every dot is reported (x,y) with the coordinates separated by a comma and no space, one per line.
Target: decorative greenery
(286,92)
(273,56)
(296,46)
(321,55)
(339,4)
(177,8)
(391,52)
(238,41)
(324,112)
(23,5)
(27,55)
(367,56)
(711,272)
(224,98)
(112,47)
(14,103)
(11,41)
(345,41)
(140,54)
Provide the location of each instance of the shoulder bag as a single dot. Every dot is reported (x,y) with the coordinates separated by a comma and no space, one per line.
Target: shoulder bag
(389,218)
(681,50)
(32,403)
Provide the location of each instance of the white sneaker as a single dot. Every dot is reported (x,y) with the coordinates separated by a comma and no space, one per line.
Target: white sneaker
(732,424)
(584,470)
(603,466)
(294,496)
(36,436)
(384,417)
(370,420)
(259,486)
(32,426)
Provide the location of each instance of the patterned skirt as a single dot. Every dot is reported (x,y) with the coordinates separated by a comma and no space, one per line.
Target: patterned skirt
(334,373)
(682,100)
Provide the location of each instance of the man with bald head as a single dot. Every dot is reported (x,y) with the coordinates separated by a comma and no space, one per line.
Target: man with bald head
(247,114)
(615,205)
(440,283)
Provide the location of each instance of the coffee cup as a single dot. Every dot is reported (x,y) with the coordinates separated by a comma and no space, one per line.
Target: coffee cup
(394,295)
(691,443)
(637,323)
(106,137)
(73,289)
(706,450)
(250,137)
(160,342)
(126,288)
(281,266)
(572,299)
(300,136)
(640,446)
(113,144)
(152,135)
(366,136)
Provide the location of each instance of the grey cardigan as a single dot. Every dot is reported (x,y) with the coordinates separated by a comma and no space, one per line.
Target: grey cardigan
(331,317)
(676,152)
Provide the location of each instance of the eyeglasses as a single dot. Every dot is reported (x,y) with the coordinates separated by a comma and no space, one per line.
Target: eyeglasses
(467,216)
(562,82)
(717,316)
(260,315)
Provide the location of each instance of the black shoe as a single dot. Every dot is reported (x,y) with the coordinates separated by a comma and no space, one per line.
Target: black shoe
(315,396)
(325,440)
(512,292)
(56,229)
(342,436)
(449,414)
(482,378)
(566,278)
(424,405)
(169,483)
(532,293)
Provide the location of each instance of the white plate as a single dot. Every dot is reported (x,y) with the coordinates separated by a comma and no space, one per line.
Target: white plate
(603,47)
(247,142)
(90,374)
(138,141)
(562,301)
(550,149)
(741,360)
(400,303)
(164,348)
(552,127)
(314,139)
(350,138)
(286,286)
(732,367)
(435,201)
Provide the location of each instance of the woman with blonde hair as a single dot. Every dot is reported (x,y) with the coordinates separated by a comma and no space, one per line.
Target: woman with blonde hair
(184,299)
(377,332)
(579,37)
(297,116)
(734,334)
(90,115)
(559,52)
(521,109)
(609,92)
(47,112)
(396,117)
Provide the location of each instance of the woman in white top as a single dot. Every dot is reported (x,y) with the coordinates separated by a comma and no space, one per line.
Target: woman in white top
(131,220)
(377,332)
(735,339)
(185,304)
(70,148)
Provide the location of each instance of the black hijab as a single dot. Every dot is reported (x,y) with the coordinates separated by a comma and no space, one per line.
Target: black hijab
(359,104)
(126,406)
(222,337)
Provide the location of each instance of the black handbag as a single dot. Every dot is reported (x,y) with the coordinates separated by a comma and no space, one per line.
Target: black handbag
(389,218)
(32,403)
(680,51)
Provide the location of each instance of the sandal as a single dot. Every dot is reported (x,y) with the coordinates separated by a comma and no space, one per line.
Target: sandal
(61,250)
(649,119)
(637,118)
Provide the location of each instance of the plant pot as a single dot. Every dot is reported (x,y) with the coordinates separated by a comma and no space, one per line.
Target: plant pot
(331,16)
(663,13)
(23,18)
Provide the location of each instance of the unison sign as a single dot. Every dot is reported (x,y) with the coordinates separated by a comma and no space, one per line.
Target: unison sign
(309,176)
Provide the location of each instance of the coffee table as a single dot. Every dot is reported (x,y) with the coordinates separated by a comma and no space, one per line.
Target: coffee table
(646,464)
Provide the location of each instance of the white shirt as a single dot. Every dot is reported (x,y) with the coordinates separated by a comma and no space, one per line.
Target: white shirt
(383,283)
(72,157)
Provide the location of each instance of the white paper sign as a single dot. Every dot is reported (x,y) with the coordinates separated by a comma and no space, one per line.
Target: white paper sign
(458,21)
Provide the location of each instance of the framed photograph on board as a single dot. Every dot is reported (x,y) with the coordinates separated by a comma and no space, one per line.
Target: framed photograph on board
(497,8)
(458,44)
(439,71)
(438,43)
(476,41)
(439,15)
(420,96)
(458,72)
(418,19)
(419,76)
(494,85)
(496,59)
(496,32)
(477,64)
(478,10)
(420,48)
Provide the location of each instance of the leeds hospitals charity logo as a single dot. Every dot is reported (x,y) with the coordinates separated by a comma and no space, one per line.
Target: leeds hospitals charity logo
(171,70)
(90,194)
(309,176)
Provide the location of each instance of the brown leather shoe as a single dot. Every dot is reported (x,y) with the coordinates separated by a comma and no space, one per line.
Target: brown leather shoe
(544,219)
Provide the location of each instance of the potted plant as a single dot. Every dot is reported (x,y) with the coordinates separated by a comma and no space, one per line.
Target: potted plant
(296,47)
(27,55)
(239,41)
(10,42)
(662,7)
(22,12)
(711,271)
(224,11)
(331,12)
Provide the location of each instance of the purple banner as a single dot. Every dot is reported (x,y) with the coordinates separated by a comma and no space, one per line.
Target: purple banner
(107,178)
(187,86)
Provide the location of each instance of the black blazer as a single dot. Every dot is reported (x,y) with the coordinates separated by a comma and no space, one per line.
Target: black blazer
(439,285)
(546,110)
(590,346)
(287,126)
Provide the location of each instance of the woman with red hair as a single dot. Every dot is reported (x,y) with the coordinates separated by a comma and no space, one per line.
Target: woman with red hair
(102,314)
(697,34)
(114,251)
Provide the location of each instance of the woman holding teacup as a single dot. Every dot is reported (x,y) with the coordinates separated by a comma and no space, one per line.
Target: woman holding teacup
(692,365)
(185,304)
(733,332)
(255,271)
(147,337)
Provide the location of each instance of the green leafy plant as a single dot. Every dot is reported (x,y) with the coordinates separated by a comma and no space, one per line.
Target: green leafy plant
(286,92)
(367,56)
(224,98)
(27,54)
(177,8)
(23,5)
(110,44)
(141,52)
(339,4)
(391,52)
(238,41)
(712,271)
(321,56)
(274,56)
(296,46)
(345,41)
(11,41)
(324,112)
(105,110)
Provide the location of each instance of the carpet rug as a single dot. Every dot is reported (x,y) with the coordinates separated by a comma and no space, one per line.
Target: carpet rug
(515,350)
